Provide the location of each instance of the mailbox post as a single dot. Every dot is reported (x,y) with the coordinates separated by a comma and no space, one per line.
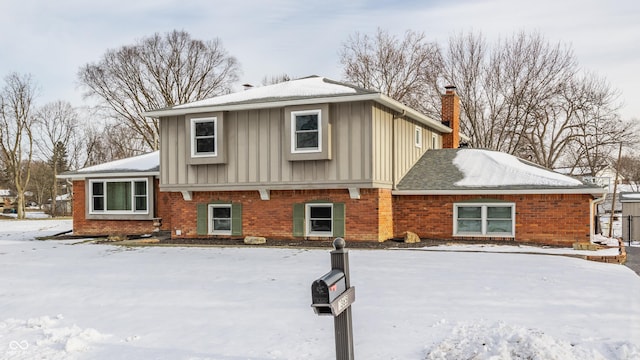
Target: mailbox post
(332,294)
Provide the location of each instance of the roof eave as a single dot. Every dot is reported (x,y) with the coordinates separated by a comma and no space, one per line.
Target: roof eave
(591,191)
(377,97)
(121,174)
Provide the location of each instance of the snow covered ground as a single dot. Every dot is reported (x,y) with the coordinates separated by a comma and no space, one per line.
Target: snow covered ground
(60,300)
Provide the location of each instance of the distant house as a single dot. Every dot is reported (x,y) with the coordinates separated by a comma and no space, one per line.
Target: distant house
(6,198)
(315,158)
(630,216)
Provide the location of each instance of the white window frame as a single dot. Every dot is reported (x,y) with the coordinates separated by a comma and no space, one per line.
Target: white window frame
(308,219)
(418,136)
(434,141)
(132,182)
(210,219)
(194,148)
(484,206)
(294,114)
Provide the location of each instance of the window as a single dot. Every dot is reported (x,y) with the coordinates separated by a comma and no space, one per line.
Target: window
(220,219)
(128,196)
(204,137)
(418,136)
(306,131)
(484,219)
(319,219)
(434,141)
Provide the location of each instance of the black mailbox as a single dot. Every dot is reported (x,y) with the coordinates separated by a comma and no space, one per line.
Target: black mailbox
(328,287)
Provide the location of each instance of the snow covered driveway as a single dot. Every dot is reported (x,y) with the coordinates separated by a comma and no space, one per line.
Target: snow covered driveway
(63,301)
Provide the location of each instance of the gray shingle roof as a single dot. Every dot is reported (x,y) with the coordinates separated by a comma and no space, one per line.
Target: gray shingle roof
(436,171)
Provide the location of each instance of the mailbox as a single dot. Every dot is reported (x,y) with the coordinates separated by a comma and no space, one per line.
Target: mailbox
(328,287)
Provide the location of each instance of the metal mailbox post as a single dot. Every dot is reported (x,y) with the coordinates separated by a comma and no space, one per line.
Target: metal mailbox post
(332,294)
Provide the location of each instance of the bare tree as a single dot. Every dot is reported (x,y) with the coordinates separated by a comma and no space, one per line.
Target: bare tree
(56,124)
(405,69)
(505,89)
(156,72)
(16,137)
(630,170)
(110,142)
(276,79)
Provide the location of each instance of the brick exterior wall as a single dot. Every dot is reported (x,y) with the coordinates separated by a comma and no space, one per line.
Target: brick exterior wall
(83,226)
(543,219)
(368,218)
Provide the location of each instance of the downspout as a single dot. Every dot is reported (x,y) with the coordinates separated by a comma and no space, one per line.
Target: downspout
(592,212)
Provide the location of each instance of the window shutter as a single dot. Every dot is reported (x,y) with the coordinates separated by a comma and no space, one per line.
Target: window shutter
(298,219)
(338,219)
(202,217)
(236,219)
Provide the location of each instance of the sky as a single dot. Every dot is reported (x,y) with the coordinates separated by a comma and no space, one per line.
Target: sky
(51,40)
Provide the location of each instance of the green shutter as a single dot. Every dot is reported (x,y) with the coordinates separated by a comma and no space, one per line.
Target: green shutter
(338,219)
(298,219)
(202,219)
(236,219)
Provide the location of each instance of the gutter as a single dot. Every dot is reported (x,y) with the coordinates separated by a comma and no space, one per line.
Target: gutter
(107,175)
(592,212)
(591,191)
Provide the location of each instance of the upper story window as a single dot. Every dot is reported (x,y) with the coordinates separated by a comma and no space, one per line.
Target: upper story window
(484,219)
(418,136)
(122,196)
(204,132)
(434,141)
(306,131)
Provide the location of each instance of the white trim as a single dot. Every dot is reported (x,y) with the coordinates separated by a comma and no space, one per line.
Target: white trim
(434,141)
(590,191)
(307,220)
(132,182)
(483,219)
(210,219)
(417,136)
(377,97)
(294,114)
(194,121)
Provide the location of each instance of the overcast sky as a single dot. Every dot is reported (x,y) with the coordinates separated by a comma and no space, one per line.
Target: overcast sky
(51,40)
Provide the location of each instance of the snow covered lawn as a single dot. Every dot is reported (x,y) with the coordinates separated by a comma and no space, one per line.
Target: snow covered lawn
(84,301)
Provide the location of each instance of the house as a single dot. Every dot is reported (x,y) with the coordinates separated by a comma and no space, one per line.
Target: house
(630,216)
(315,158)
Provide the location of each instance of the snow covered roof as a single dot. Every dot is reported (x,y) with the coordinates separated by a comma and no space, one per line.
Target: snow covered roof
(141,165)
(476,171)
(306,87)
(304,91)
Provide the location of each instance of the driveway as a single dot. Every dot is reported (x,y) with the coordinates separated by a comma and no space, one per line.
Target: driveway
(633,258)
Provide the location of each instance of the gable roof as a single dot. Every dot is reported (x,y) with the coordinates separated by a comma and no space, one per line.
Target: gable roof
(304,91)
(141,165)
(477,171)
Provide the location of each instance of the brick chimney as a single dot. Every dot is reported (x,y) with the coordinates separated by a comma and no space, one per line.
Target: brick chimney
(451,118)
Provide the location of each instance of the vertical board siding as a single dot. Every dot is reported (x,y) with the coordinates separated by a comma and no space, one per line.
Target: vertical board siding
(255,150)
(381,147)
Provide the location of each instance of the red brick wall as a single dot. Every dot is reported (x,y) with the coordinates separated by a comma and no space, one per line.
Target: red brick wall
(367,218)
(543,219)
(83,226)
